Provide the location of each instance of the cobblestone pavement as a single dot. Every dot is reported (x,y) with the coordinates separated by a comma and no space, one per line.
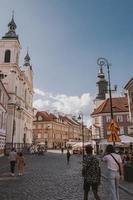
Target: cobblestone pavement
(48,177)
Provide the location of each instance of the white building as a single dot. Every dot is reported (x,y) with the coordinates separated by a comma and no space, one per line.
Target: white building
(18,82)
(4,97)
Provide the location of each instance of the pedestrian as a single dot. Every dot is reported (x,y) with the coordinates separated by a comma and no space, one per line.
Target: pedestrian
(68,156)
(91,172)
(20,163)
(62,150)
(115,170)
(12,158)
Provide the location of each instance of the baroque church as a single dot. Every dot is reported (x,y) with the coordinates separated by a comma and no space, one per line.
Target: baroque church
(18,82)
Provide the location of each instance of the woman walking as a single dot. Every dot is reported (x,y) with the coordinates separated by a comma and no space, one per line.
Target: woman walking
(21,164)
(115,171)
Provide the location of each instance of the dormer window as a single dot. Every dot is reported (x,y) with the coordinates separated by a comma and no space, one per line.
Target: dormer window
(40,118)
(7,56)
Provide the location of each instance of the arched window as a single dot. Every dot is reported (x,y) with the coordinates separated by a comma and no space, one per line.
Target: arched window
(7,56)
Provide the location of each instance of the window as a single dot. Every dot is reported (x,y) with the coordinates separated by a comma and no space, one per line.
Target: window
(108,118)
(128,118)
(16,90)
(7,56)
(17,58)
(96,120)
(39,136)
(121,130)
(40,118)
(119,118)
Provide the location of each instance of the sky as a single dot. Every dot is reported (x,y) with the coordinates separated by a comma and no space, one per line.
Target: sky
(65,38)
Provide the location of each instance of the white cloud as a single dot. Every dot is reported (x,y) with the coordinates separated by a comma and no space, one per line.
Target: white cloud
(64,104)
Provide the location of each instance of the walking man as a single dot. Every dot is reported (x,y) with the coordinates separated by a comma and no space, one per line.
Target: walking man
(68,156)
(91,173)
(12,158)
(115,171)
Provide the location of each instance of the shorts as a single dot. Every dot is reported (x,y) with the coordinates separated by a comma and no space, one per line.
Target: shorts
(87,186)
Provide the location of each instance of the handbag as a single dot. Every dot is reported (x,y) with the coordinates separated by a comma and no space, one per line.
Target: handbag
(117,164)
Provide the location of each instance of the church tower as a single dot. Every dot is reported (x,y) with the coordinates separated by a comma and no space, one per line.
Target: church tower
(18,82)
(28,68)
(102,85)
(10,46)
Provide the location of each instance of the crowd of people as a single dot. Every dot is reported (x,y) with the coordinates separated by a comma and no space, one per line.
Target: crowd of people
(37,149)
(91,170)
(127,157)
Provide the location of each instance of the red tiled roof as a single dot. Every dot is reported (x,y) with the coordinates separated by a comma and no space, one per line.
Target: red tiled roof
(119,104)
(130,82)
(46,116)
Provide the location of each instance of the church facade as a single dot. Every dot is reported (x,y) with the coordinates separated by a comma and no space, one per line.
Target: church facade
(18,82)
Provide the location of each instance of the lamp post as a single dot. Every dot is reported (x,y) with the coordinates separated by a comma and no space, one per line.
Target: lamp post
(13,127)
(14,123)
(80,117)
(104,62)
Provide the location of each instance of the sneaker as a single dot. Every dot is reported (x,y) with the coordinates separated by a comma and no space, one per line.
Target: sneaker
(12,174)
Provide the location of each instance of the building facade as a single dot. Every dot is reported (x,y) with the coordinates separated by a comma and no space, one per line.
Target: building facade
(18,82)
(55,131)
(4,98)
(101,117)
(129,88)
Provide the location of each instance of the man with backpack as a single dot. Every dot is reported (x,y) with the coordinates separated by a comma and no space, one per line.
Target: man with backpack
(91,173)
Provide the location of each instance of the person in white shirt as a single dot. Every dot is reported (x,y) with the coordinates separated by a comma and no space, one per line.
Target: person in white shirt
(115,170)
(12,158)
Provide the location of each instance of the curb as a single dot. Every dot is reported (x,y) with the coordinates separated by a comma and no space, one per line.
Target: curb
(121,187)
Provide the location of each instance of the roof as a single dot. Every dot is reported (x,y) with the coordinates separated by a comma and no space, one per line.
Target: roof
(51,117)
(130,82)
(119,104)
(46,116)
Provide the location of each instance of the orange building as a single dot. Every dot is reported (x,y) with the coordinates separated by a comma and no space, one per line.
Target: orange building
(55,131)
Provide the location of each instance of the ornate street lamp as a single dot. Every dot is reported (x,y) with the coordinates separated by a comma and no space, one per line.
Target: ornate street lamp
(80,117)
(104,62)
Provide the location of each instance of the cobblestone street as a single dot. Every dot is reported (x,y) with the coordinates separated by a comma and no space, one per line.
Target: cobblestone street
(48,178)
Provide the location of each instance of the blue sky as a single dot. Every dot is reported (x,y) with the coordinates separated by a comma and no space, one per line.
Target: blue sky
(65,38)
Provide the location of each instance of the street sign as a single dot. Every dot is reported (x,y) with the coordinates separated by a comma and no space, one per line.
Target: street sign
(113,126)
(113,137)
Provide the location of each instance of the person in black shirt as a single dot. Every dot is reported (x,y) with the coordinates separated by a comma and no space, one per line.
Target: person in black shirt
(91,173)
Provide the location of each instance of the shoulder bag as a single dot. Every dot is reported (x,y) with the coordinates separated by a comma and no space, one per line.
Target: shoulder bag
(117,164)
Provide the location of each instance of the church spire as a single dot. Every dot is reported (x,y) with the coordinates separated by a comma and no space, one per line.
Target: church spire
(11,34)
(27,60)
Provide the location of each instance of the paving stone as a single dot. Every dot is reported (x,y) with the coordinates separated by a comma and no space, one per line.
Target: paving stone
(49,177)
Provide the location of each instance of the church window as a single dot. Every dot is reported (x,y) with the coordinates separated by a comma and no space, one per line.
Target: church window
(7,56)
